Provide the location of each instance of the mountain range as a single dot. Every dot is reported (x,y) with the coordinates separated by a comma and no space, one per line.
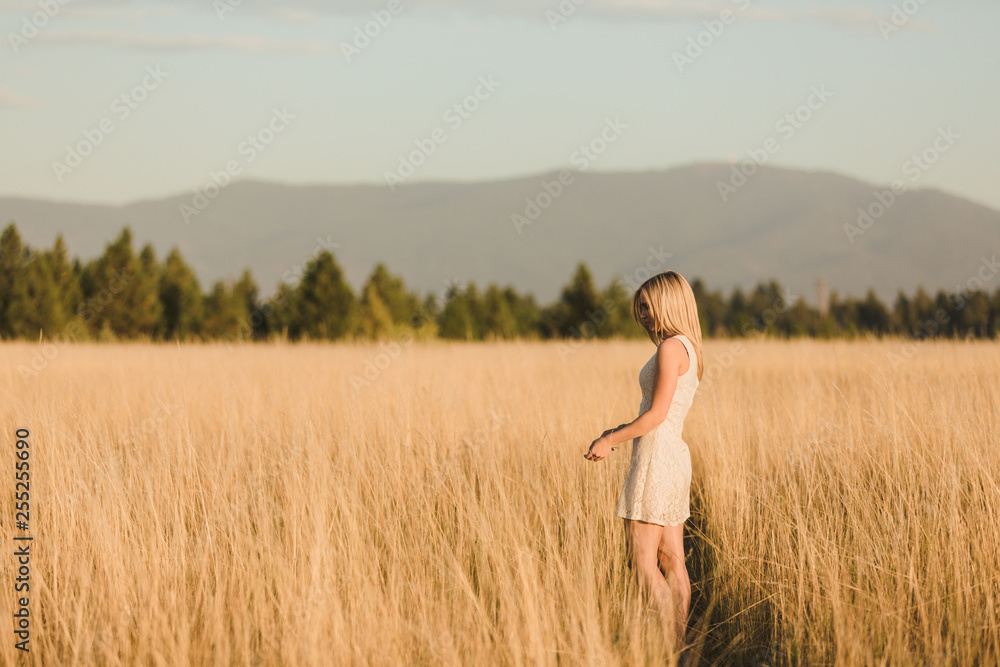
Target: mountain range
(707,221)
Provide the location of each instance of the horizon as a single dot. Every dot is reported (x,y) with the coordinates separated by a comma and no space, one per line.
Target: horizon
(456,181)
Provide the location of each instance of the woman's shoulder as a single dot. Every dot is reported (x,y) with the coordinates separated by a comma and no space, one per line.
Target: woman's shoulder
(681,346)
(678,338)
(681,338)
(673,345)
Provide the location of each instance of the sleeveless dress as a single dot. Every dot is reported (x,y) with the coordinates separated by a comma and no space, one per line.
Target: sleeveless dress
(657,487)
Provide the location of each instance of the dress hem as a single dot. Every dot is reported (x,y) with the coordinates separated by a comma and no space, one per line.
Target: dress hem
(658,523)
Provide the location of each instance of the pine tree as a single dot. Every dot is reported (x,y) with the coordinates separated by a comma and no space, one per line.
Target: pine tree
(386,306)
(251,323)
(994,331)
(580,316)
(144,297)
(616,303)
(39,310)
(460,319)
(181,298)
(974,317)
(499,320)
(401,303)
(738,319)
(424,321)
(455,321)
(904,318)
(946,320)
(13,259)
(66,276)
(527,315)
(374,317)
(281,312)
(222,312)
(923,310)
(711,309)
(108,287)
(325,305)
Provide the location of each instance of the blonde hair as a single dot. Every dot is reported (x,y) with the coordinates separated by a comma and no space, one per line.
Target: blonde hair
(672,309)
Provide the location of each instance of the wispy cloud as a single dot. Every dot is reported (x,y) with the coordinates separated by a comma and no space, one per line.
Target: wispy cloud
(833,14)
(129,13)
(853,17)
(296,15)
(683,10)
(11,100)
(155,42)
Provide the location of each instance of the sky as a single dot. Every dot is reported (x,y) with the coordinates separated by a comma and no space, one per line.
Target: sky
(115,101)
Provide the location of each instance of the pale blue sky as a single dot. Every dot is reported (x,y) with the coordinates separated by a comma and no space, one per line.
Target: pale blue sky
(611,58)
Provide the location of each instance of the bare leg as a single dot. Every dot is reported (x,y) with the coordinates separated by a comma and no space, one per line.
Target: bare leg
(643,541)
(670,556)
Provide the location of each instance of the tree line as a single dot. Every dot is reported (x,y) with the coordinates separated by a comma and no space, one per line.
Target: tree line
(124,295)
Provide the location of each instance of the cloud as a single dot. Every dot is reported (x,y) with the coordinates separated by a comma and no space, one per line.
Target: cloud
(11,100)
(152,42)
(129,13)
(834,15)
(858,17)
(296,15)
(681,10)
(310,11)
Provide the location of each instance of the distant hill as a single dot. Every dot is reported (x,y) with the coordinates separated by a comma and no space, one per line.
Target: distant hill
(783,224)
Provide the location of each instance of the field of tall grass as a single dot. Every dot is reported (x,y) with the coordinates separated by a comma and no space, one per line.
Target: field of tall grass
(320,504)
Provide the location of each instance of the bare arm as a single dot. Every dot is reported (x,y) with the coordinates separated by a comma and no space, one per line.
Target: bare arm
(669,356)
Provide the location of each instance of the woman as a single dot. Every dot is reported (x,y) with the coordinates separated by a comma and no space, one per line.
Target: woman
(655,499)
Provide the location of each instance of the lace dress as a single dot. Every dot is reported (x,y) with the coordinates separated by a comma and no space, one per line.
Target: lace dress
(657,487)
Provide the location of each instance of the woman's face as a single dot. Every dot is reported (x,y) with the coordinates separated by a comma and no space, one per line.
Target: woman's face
(645,316)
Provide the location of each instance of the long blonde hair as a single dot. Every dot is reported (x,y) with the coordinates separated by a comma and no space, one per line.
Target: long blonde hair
(672,309)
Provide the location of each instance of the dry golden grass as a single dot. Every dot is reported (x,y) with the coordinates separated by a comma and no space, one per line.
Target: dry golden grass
(204,504)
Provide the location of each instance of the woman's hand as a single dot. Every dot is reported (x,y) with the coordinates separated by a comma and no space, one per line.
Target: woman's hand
(601,447)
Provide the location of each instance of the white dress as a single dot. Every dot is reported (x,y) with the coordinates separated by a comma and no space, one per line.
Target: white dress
(657,487)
